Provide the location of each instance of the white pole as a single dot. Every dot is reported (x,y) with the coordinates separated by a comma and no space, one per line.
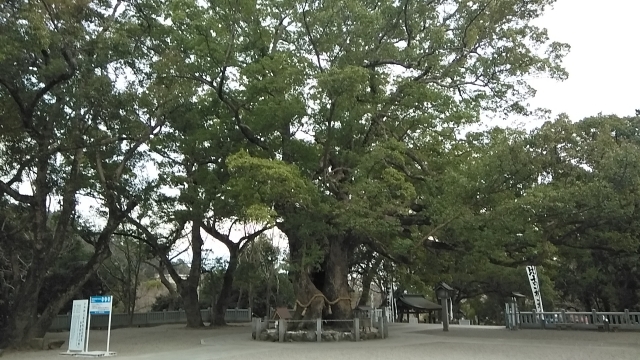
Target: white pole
(86,341)
(109,331)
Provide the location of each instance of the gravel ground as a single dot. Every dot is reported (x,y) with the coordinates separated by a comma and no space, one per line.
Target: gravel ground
(421,341)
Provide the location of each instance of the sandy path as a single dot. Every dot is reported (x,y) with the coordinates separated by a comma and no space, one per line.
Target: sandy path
(134,341)
(406,342)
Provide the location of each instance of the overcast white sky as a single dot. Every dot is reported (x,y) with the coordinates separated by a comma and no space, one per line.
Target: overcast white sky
(603,63)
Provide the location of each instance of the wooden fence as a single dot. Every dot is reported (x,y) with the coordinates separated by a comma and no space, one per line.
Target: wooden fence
(63,322)
(580,320)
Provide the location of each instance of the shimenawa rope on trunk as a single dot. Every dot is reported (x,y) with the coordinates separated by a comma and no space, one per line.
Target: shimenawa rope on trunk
(305,306)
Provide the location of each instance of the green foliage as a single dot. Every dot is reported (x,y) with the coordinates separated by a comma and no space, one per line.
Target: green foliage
(173,303)
(336,121)
(379,88)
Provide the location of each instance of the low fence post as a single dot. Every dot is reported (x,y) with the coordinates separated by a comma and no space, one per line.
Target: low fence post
(318,330)
(535,317)
(506,316)
(381,327)
(594,317)
(356,328)
(627,317)
(385,332)
(282,329)
(254,328)
(563,316)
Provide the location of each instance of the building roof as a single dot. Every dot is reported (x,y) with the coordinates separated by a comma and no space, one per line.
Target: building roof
(417,302)
(282,313)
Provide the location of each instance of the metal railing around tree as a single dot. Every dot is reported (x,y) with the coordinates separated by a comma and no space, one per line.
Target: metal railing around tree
(580,320)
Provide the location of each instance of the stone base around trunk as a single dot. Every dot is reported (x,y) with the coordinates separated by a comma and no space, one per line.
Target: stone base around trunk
(310,335)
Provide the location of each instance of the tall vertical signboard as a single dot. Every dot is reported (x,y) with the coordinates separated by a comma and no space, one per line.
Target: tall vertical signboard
(532,273)
(78,331)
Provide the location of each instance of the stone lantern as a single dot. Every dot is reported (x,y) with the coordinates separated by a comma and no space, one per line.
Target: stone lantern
(444,292)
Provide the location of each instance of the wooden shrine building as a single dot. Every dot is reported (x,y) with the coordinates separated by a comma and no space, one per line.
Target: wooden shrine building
(416,304)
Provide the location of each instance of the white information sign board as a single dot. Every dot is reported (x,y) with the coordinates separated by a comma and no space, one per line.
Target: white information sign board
(81,324)
(78,331)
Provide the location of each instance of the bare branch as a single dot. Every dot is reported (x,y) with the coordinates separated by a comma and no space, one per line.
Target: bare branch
(15,95)
(18,176)
(247,239)
(235,221)
(111,18)
(437,228)
(132,150)
(152,240)
(57,80)
(224,239)
(310,37)
(15,194)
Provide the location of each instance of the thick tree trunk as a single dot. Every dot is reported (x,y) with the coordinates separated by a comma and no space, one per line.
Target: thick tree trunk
(336,284)
(367,279)
(49,314)
(227,287)
(189,287)
(24,312)
(189,296)
(310,301)
(21,321)
(366,291)
(167,284)
(322,292)
(24,321)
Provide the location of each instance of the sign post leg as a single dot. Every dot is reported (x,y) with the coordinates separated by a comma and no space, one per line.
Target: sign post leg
(108,333)
(86,344)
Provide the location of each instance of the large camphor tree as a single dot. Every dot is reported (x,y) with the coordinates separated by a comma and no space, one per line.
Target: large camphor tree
(349,111)
(67,132)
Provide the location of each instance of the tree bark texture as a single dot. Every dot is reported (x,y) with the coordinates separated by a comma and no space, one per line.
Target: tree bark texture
(367,280)
(227,287)
(321,292)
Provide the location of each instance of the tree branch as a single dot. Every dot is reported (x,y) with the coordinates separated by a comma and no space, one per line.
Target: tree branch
(310,37)
(132,150)
(247,239)
(224,239)
(14,194)
(58,79)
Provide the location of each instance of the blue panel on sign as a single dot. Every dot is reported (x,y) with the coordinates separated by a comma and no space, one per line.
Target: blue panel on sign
(100,299)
